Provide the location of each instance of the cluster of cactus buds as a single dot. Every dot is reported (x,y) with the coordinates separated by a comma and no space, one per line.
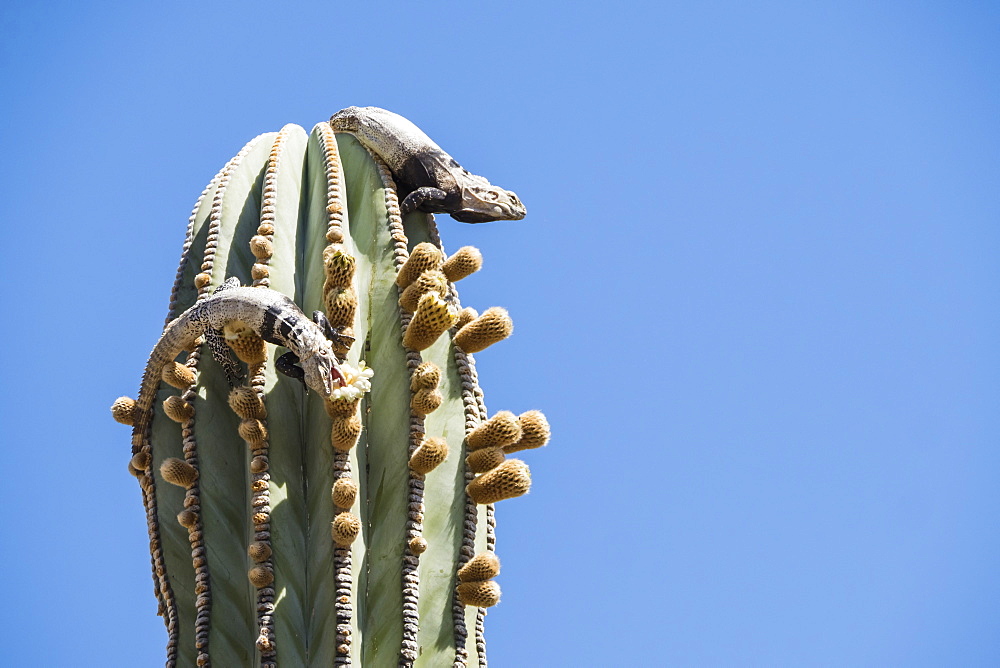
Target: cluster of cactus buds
(476,586)
(491,442)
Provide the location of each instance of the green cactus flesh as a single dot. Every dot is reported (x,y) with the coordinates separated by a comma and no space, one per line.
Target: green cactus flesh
(374,602)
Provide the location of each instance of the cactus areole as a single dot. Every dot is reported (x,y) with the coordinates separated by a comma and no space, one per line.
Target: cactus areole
(306,479)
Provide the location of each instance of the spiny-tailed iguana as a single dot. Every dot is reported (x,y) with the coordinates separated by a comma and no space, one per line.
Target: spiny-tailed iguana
(428,178)
(275,317)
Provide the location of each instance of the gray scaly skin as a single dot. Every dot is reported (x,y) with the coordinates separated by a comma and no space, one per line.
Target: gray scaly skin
(275,317)
(428,178)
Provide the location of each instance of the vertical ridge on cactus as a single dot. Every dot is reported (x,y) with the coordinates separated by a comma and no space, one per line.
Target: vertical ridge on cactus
(360,572)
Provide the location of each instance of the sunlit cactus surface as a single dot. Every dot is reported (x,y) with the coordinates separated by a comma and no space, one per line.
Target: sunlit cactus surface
(291,528)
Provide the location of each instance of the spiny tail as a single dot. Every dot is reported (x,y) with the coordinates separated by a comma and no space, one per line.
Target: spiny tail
(164,353)
(144,402)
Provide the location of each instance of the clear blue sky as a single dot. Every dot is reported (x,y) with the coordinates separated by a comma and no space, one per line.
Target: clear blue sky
(756,294)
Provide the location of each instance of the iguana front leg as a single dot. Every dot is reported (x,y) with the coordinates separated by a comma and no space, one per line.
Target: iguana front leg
(331,332)
(220,352)
(421,197)
(288,365)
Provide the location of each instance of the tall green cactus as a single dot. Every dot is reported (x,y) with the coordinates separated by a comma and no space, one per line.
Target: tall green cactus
(309,531)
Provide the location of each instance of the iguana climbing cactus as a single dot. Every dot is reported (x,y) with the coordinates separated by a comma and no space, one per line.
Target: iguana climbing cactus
(346,524)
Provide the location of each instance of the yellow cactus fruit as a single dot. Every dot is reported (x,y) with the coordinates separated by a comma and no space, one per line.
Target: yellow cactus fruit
(434,316)
(258,464)
(431,280)
(345,529)
(431,452)
(423,257)
(245,342)
(418,545)
(259,551)
(427,376)
(177,409)
(141,460)
(187,518)
(483,566)
(339,267)
(479,594)
(484,459)
(260,576)
(492,326)
(341,304)
(425,402)
(466,260)
(245,403)
(253,431)
(345,432)
(337,408)
(177,375)
(510,479)
(500,430)
(266,229)
(202,279)
(133,471)
(335,235)
(259,271)
(178,472)
(261,247)
(535,432)
(123,410)
(467,315)
(344,492)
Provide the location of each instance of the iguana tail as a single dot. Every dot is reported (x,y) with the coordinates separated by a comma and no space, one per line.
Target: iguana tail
(176,338)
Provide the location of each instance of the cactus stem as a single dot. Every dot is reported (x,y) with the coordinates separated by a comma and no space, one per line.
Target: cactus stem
(342,561)
(141,437)
(262,245)
(192,503)
(414,522)
(369,485)
(475,412)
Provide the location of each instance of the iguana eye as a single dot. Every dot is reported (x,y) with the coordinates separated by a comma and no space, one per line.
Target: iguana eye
(493,195)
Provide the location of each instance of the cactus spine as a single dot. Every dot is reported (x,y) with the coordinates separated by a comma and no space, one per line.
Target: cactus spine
(307,531)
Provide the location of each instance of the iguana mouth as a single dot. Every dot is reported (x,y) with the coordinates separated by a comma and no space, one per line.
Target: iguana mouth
(472,217)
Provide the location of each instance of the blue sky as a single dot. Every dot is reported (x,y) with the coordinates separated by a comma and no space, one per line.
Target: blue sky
(755,294)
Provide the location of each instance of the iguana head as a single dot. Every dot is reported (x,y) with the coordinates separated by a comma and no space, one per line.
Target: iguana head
(484,203)
(321,371)
(346,120)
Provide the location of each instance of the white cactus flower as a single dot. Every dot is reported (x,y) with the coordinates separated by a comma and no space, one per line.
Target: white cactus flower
(358,382)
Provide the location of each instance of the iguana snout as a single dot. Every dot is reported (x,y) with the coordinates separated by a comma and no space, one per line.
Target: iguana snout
(322,373)
(481,205)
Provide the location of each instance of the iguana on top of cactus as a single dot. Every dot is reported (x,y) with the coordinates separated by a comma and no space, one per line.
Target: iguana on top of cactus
(428,179)
(272,315)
